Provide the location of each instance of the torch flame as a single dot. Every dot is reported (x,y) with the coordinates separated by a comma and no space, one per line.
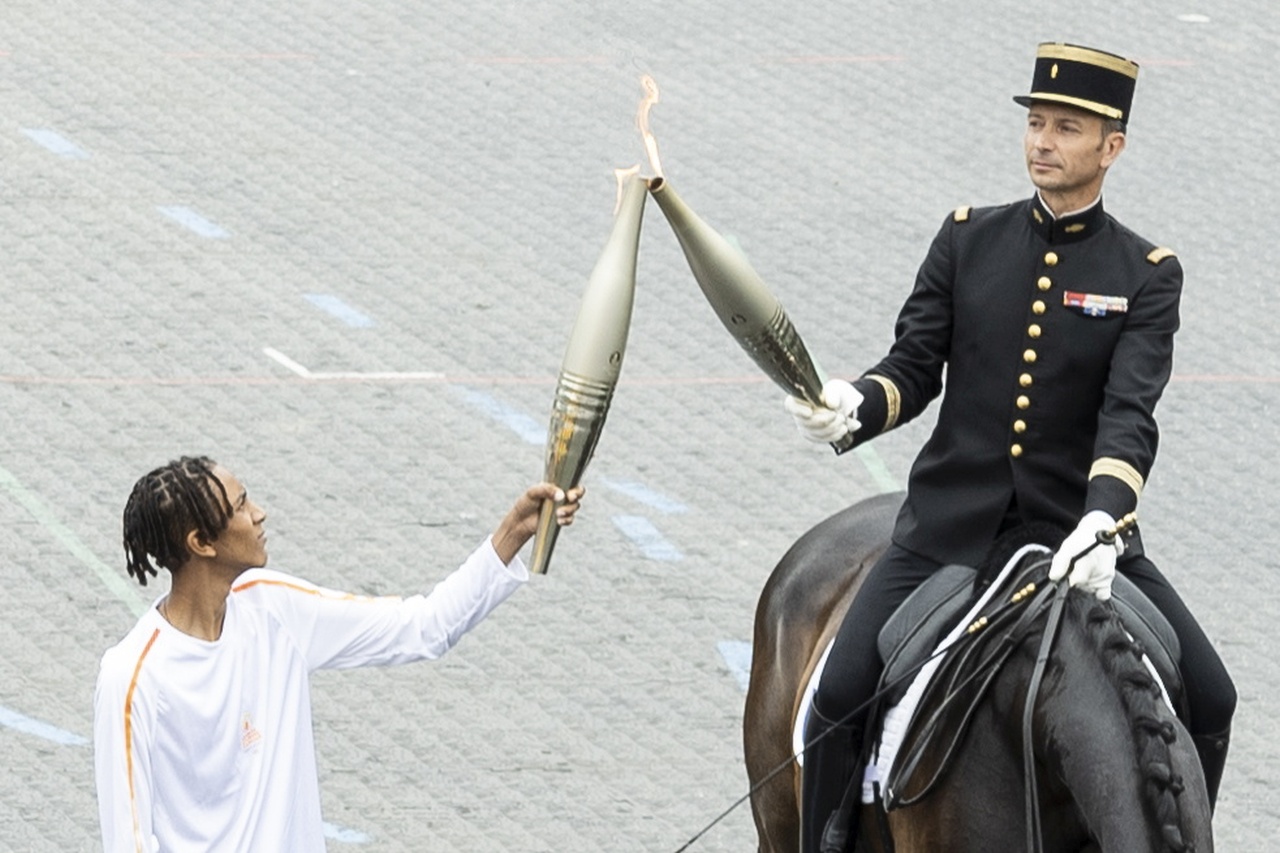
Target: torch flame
(642,122)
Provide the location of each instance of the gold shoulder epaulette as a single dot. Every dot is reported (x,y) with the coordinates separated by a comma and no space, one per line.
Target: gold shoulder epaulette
(962,214)
(1158,254)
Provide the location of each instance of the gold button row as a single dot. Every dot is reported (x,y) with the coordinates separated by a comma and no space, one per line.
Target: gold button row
(1034,331)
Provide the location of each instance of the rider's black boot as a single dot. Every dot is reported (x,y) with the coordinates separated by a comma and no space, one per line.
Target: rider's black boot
(1212,750)
(828,819)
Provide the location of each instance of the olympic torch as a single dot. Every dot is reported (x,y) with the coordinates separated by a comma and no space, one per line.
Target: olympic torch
(746,307)
(592,360)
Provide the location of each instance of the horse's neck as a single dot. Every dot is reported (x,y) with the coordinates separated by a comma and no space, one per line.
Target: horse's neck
(1086,734)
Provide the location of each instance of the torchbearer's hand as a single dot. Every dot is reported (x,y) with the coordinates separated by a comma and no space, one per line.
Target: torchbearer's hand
(521,522)
(1095,570)
(834,419)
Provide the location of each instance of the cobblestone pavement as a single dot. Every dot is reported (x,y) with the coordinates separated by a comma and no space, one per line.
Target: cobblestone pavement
(223,225)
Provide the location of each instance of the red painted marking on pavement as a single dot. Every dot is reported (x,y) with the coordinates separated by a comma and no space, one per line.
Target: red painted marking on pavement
(216,55)
(355,379)
(537,60)
(833,60)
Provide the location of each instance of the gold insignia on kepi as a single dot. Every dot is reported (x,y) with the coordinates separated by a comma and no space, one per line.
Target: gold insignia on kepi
(1083,77)
(1159,253)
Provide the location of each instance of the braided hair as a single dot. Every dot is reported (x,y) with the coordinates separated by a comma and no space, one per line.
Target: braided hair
(164,507)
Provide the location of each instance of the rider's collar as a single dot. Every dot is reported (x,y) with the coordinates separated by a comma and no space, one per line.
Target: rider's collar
(1074,226)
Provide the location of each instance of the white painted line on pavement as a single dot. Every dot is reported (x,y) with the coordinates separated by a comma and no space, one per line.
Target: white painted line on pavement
(281,358)
(347,375)
(114,579)
(53,141)
(334,306)
(21,722)
(737,656)
(189,219)
(652,543)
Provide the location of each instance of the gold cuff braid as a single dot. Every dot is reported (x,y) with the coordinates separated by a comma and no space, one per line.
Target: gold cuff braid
(892,400)
(1121,470)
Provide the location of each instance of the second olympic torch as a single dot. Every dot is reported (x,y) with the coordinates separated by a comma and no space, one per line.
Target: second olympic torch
(745,306)
(592,361)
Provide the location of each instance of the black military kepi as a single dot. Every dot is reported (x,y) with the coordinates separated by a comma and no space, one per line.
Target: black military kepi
(1092,80)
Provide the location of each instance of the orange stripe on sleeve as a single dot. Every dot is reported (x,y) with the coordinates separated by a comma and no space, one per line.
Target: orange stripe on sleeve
(338,596)
(128,737)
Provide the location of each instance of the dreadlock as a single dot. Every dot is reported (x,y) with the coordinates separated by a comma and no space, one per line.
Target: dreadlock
(164,507)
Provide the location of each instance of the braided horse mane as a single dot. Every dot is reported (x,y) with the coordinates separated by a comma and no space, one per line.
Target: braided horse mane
(1140,695)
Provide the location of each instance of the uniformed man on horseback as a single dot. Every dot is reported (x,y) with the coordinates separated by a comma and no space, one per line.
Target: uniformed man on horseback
(1055,326)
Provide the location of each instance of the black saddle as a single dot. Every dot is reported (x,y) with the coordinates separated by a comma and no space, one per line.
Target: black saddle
(919,624)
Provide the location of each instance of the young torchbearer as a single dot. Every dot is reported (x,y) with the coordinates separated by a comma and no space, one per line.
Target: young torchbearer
(202,713)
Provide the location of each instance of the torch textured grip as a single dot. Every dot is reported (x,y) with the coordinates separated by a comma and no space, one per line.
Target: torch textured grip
(780,352)
(578,414)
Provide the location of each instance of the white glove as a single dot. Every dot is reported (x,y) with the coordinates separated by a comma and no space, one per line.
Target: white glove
(1094,571)
(834,419)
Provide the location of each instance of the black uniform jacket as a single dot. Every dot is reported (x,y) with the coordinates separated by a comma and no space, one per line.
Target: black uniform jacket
(1057,340)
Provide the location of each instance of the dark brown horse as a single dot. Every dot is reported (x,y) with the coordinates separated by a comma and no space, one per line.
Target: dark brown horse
(1115,770)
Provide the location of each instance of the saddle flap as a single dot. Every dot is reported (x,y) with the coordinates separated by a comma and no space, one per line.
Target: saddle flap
(912,632)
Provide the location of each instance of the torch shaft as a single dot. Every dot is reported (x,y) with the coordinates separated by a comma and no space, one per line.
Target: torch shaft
(592,363)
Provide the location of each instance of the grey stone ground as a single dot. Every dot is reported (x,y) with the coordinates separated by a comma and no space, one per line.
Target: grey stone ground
(446,170)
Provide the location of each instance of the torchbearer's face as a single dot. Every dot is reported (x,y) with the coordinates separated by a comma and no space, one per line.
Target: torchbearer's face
(1066,149)
(243,544)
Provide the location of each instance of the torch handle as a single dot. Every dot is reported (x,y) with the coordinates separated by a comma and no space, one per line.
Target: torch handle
(843,444)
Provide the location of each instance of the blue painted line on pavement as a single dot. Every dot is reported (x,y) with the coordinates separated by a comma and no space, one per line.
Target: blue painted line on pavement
(342,833)
(645,495)
(652,543)
(21,722)
(188,218)
(529,430)
(737,656)
(335,307)
(53,141)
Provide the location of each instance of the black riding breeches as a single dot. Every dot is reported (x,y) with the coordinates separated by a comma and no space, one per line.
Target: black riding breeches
(853,667)
(1211,695)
